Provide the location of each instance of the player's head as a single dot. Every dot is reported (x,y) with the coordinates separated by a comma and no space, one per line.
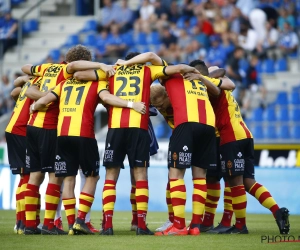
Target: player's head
(131,55)
(78,52)
(200,66)
(159,97)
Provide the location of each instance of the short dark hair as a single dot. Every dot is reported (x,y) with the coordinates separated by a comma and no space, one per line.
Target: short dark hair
(200,66)
(131,55)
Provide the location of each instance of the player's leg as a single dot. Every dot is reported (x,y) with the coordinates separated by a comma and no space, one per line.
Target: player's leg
(261,193)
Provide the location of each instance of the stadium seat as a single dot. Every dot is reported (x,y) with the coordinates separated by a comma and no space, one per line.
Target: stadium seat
(257,114)
(270,114)
(283,114)
(140,39)
(281,65)
(296,132)
(153,38)
(193,21)
(284,132)
(295,115)
(271,132)
(72,40)
(90,40)
(90,25)
(258,132)
(30,25)
(269,66)
(259,67)
(282,98)
(295,97)
(55,54)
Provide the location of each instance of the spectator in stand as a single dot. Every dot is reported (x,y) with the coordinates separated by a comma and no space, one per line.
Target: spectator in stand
(210,9)
(215,54)
(288,40)
(227,45)
(246,6)
(187,8)
(233,70)
(268,44)
(195,51)
(227,9)
(286,17)
(115,46)
(124,19)
(146,10)
(220,23)
(200,37)
(235,20)
(8,32)
(247,38)
(183,42)
(169,45)
(109,14)
(102,42)
(174,12)
(204,24)
(159,8)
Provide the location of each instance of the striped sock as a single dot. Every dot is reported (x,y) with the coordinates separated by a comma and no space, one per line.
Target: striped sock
(199,197)
(22,195)
(264,197)
(211,203)
(31,204)
(228,210)
(169,203)
(51,202)
(85,203)
(239,204)
(133,206)
(69,205)
(38,210)
(178,198)
(18,205)
(142,198)
(108,201)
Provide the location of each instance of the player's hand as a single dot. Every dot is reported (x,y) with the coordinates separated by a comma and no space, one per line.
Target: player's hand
(120,62)
(139,107)
(212,68)
(31,108)
(109,70)
(191,76)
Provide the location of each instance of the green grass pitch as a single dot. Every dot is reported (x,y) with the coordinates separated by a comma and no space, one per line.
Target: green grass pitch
(258,225)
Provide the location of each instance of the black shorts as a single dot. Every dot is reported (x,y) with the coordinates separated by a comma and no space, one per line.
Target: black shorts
(72,151)
(216,172)
(237,158)
(16,147)
(133,142)
(192,144)
(40,144)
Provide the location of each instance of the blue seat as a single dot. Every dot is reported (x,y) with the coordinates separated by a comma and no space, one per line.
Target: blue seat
(140,39)
(270,114)
(282,98)
(55,54)
(72,40)
(271,132)
(295,115)
(153,38)
(30,25)
(90,25)
(269,66)
(283,114)
(259,67)
(281,65)
(90,40)
(257,114)
(296,132)
(258,132)
(295,97)
(193,21)
(284,132)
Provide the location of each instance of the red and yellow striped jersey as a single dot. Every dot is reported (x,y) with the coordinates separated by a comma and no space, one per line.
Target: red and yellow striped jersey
(132,83)
(189,100)
(20,115)
(52,74)
(77,103)
(229,120)
(169,117)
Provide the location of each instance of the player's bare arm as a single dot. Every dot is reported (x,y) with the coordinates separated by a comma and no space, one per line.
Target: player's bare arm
(15,93)
(87,75)
(21,80)
(142,58)
(43,102)
(216,72)
(27,69)
(86,65)
(34,93)
(180,68)
(113,100)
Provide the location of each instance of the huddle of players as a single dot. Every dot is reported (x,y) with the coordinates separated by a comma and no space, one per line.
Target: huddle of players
(59,138)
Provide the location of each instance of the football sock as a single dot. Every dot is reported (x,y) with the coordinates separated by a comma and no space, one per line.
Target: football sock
(169,203)
(85,203)
(199,197)
(264,197)
(178,198)
(228,210)
(52,198)
(211,203)
(22,195)
(108,201)
(142,198)
(134,220)
(239,204)
(69,205)
(31,204)
(18,208)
